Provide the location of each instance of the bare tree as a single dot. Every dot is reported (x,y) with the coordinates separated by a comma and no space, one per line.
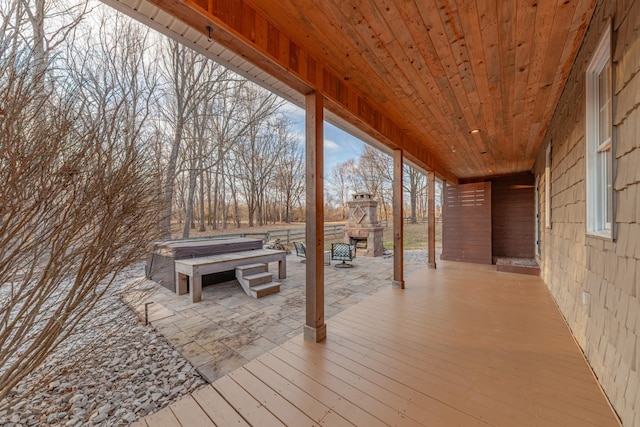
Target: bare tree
(48,24)
(414,183)
(343,176)
(233,167)
(228,128)
(189,85)
(193,154)
(289,178)
(375,174)
(258,152)
(76,195)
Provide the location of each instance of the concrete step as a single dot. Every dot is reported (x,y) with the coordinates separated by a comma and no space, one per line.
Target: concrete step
(258,279)
(246,270)
(265,289)
(518,265)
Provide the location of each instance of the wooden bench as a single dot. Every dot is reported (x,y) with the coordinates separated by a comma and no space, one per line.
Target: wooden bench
(195,268)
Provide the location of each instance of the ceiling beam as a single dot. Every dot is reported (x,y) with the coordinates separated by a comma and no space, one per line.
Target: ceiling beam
(238,27)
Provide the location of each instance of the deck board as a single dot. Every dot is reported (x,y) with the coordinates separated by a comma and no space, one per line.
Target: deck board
(376,408)
(188,412)
(460,346)
(296,396)
(373,384)
(324,394)
(217,408)
(394,385)
(287,412)
(249,408)
(164,418)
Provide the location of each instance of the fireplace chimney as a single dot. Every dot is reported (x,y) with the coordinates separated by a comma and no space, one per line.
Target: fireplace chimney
(363,229)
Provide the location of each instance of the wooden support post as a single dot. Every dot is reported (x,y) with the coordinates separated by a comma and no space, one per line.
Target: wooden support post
(315,329)
(398,262)
(431,217)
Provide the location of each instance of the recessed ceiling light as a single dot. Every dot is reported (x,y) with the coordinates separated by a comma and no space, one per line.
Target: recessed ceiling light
(473,131)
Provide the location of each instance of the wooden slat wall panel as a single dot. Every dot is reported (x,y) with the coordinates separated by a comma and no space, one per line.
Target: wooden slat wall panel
(513,216)
(466,227)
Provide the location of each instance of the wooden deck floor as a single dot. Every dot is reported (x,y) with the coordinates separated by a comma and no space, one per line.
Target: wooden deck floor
(461,346)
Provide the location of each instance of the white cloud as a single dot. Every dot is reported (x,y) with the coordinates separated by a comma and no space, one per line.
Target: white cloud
(294,113)
(331,145)
(291,108)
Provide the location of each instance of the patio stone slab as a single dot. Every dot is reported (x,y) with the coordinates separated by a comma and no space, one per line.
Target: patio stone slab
(228,328)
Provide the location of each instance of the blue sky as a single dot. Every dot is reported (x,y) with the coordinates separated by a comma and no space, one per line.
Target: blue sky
(339,146)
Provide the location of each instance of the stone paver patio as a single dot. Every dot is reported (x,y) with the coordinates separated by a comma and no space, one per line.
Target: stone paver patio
(228,328)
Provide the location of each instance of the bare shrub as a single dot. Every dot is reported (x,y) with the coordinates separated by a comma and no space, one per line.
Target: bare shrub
(77,200)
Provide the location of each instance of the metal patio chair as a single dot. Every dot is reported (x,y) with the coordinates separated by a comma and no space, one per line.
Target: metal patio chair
(343,252)
(301,250)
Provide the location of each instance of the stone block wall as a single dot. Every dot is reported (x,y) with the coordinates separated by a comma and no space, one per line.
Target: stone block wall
(596,282)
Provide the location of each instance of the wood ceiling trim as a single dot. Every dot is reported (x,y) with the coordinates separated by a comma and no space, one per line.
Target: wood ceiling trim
(467,87)
(237,26)
(405,80)
(543,25)
(420,88)
(441,53)
(396,78)
(569,12)
(470,23)
(408,62)
(549,83)
(415,73)
(525,22)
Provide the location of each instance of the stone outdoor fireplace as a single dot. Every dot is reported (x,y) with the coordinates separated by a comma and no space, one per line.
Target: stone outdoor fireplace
(363,229)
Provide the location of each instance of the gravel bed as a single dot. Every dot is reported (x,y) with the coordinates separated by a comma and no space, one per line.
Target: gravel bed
(111,373)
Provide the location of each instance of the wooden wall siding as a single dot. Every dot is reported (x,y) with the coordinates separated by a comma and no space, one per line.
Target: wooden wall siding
(430,71)
(513,216)
(574,266)
(466,226)
(257,37)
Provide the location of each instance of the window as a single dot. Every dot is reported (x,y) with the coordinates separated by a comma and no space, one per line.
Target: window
(599,132)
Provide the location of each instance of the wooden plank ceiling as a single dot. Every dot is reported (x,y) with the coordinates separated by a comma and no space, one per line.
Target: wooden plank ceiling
(415,74)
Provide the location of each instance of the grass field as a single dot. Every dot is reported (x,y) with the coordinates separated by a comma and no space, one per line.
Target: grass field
(415,237)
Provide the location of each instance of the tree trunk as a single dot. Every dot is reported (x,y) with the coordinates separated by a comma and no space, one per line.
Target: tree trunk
(260,210)
(224,208)
(188,217)
(216,197)
(201,176)
(40,59)
(251,207)
(209,205)
(202,218)
(414,202)
(236,209)
(167,199)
